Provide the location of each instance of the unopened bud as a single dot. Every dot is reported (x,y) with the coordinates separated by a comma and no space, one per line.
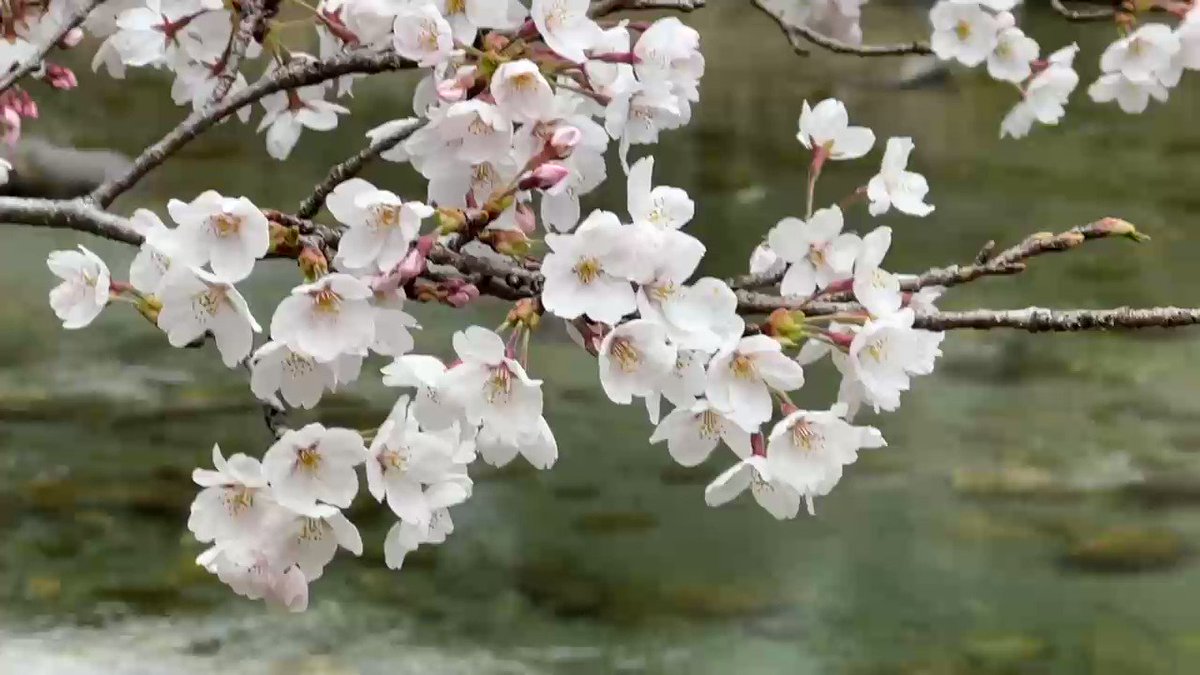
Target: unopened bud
(494,42)
(526,220)
(72,38)
(786,327)
(60,77)
(284,240)
(564,139)
(450,220)
(1122,228)
(550,177)
(509,242)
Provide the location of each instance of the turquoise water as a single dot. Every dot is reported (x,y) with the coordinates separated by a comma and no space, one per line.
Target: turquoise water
(1035,511)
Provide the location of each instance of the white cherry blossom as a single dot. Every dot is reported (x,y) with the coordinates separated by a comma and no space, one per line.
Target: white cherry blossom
(310,537)
(634,358)
(154,257)
(1011,58)
(404,538)
(195,302)
(422,34)
(393,325)
(693,432)
(85,286)
(669,50)
(299,379)
(1140,56)
(381,226)
(257,574)
(741,377)
(290,112)
(491,387)
(662,206)
(826,128)
(963,31)
(581,272)
(521,91)
(313,464)
(807,449)
(565,26)
(234,503)
(887,352)
(424,373)
(817,251)
(226,233)
(538,446)
(775,496)
(1045,96)
(1133,96)
(874,287)
(895,185)
(327,318)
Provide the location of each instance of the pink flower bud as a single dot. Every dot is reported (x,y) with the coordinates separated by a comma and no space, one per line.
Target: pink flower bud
(462,296)
(525,218)
(60,77)
(12,127)
(72,38)
(564,139)
(550,177)
(451,91)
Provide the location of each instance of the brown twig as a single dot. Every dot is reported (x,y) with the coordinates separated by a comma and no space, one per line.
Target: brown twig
(352,166)
(33,62)
(296,74)
(800,36)
(1094,14)
(1038,319)
(252,14)
(604,7)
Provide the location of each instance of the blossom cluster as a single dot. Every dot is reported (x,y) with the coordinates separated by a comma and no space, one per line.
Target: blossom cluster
(1144,63)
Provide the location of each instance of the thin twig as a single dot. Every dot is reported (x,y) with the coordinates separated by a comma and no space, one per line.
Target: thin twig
(252,15)
(296,74)
(1095,14)
(604,7)
(798,35)
(33,62)
(1038,319)
(352,166)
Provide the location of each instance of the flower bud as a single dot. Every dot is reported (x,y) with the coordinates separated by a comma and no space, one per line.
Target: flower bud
(550,177)
(72,38)
(312,263)
(564,139)
(526,220)
(524,313)
(60,77)
(450,220)
(1121,228)
(494,42)
(509,242)
(786,327)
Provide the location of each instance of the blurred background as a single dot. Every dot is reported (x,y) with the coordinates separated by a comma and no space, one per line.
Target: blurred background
(1036,511)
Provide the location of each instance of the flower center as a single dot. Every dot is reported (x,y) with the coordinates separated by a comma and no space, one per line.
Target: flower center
(962,29)
(742,367)
(384,216)
(210,301)
(313,529)
(326,301)
(710,425)
(225,225)
(877,350)
(427,38)
(298,365)
(587,270)
(499,384)
(308,458)
(626,355)
(804,436)
(394,460)
(456,7)
(524,82)
(478,127)
(238,499)
(816,255)
(663,292)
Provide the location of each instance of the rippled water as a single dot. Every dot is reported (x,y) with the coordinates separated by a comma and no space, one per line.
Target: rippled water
(1035,511)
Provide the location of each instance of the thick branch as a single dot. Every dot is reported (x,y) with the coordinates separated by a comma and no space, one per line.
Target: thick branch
(33,62)
(296,74)
(1038,319)
(252,13)
(67,215)
(801,35)
(352,166)
(604,7)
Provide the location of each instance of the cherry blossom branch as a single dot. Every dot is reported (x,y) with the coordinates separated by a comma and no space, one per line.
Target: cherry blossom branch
(252,14)
(351,167)
(295,74)
(514,282)
(800,36)
(1039,319)
(605,7)
(34,61)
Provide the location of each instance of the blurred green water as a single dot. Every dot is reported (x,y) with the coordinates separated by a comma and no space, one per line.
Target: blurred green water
(1035,511)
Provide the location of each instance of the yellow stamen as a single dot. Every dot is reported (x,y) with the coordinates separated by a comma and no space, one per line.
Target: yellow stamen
(309,458)
(587,270)
(742,367)
(626,354)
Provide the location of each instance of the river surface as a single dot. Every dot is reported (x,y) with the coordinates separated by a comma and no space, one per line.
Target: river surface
(1037,509)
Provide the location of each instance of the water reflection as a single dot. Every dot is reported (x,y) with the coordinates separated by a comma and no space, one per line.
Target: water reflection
(1034,511)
